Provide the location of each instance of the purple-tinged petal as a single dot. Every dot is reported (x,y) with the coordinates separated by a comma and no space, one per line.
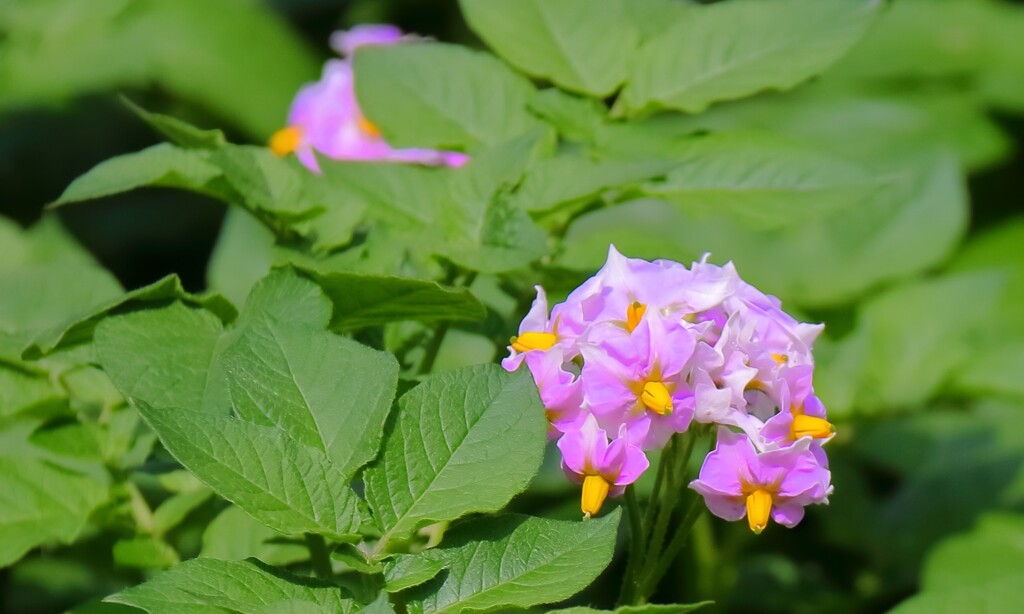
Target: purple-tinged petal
(345,42)
(787,514)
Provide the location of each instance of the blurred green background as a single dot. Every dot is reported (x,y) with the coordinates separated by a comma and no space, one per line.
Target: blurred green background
(923,369)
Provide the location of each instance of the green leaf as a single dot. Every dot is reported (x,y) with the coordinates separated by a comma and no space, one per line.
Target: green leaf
(874,129)
(80,329)
(482,230)
(23,391)
(764,182)
(407,570)
(290,487)
(40,503)
(647,608)
(994,596)
(162,357)
(926,38)
(995,548)
(517,561)
(207,52)
(177,131)
(580,45)
(355,559)
(35,298)
(174,510)
(897,233)
(734,49)
(574,117)
(145,553)
(904,357)
(162,165)
(1000,351)
(567,179)
(234,535)
(203,586)
(242,256)
(441,96)
(463,441)
(371,300)
(325,391)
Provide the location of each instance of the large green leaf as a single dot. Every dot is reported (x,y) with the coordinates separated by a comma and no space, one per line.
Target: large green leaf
(734,49)
(162,165)
(1001,345)
(368,300)
(817,263)
(202,586)
(40,503)
(766,182)
(234,535)
(325,391)
(995,548)
(872,128)
(517,561)
(290,487)
(483,231)
(36,298)
(580,45)
(162,356)
(903,348)
(279,191)
(647,608)
(566,179)
(441,96)
(463,441)
(80,329)
(212,52)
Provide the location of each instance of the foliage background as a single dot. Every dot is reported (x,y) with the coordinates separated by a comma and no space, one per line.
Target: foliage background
(922,370)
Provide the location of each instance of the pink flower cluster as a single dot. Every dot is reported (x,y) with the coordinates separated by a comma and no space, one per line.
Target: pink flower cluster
(325,115)
(643,349)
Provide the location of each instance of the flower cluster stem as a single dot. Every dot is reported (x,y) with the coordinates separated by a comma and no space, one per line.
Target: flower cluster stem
(649,554)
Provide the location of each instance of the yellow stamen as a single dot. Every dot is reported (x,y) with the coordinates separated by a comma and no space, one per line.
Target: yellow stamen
(657,398)
(368,127)
(634,313)
(804,426)
(755,385)
(595,489)
(780,358)
(285,140)
(690,318)
(759,506)
(533,341)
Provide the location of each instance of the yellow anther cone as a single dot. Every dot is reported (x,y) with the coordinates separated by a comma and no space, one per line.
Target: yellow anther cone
(369,128)
(809,426)
(657,398)
(759,506)
(285,140)
(595,490)
(533,341)
(635,313)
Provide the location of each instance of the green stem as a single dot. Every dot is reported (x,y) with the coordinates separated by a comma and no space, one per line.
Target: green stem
(433,347)
(636,545)
(675,468)
(319,557)
(651,579)
(704,555)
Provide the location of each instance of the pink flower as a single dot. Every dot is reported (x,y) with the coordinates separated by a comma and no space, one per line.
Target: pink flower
(325,117)
(603,468)
(538,332)
(737,481)
(637,378)
(560,389)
